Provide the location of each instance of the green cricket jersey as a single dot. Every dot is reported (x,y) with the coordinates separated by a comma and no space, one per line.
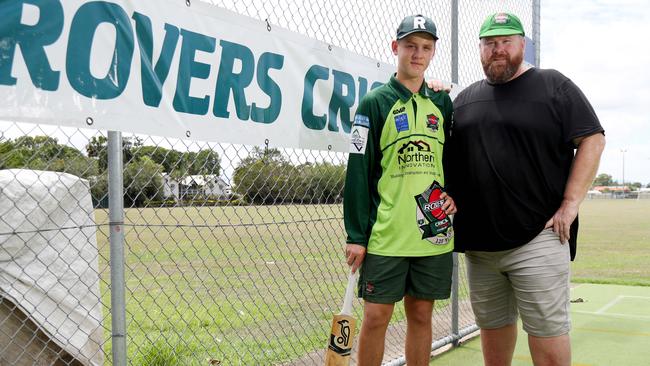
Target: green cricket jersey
(394,176)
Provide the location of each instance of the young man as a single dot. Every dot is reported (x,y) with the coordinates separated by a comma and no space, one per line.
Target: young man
(395,208)
(518,185)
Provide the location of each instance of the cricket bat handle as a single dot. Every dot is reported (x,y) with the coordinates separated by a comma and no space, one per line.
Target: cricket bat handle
(349,294)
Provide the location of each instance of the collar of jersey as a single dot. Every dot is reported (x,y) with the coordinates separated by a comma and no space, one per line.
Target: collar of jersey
(403,92)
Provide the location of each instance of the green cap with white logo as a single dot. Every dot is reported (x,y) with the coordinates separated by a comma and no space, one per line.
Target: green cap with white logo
(416,23)
(501,24)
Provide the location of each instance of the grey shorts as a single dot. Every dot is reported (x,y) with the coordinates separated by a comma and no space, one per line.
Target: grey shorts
(532,280)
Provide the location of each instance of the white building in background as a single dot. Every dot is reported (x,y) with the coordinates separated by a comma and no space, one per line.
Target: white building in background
(209,185)
(170,186)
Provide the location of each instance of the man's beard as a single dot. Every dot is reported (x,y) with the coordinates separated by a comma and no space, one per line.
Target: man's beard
(499,74)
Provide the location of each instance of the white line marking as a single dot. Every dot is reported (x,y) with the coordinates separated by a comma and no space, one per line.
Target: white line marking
(637,297)
(609,305)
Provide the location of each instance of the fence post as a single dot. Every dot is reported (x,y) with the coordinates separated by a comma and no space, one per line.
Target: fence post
(454,79)
(116,237)
(536,32)
(454,302)
(454,41)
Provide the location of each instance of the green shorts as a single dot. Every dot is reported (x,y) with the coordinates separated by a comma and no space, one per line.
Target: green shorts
(385,280)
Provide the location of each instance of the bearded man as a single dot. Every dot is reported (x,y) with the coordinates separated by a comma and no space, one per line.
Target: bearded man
(517,184)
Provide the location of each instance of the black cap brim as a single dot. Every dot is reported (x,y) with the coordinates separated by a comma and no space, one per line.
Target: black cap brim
(417,31)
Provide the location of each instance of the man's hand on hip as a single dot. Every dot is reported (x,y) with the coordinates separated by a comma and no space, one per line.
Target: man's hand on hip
(562,220)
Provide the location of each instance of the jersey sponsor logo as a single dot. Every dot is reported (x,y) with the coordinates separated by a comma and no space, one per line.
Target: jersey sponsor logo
(361,120)
(399,110)
(415,154)
(433,222)
(358,139)
(402,122)
(432,122)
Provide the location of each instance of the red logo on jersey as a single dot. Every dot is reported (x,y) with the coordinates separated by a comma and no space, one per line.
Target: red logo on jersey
(432,122)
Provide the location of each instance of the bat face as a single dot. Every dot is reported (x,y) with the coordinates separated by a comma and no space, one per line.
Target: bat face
(339,347)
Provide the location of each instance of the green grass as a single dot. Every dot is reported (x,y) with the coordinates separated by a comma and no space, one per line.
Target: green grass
(613,243)
(258,284)
(601,334)
(243,285)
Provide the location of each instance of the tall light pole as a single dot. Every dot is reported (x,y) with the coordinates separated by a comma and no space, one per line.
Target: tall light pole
(623,151)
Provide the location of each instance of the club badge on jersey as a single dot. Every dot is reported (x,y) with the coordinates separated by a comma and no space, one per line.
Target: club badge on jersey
(359,134)
(432,122)
(433,222)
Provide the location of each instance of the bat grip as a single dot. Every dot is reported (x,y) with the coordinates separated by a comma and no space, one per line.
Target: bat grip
(349,294)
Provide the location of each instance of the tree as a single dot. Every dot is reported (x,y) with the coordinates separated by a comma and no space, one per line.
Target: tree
(319,183)
(142,181)
(44,153)
(97,148)
(264,177)
(636,186)
(604,180)
(99,190)
(144,165)
(206,162)
(169,159)
(329,180)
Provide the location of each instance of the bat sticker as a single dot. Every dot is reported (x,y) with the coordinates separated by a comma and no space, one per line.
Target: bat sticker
(341,344)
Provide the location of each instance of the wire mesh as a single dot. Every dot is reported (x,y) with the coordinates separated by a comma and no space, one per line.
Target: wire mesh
(234,253)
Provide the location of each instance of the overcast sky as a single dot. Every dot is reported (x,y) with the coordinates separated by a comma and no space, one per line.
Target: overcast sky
(604,47)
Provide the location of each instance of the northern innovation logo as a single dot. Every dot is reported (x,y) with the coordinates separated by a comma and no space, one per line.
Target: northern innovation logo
(415,153)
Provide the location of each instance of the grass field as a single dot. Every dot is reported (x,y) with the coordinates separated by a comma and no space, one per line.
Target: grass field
(242,285)
(609,328)
(229,283)
(258,284)
(613,243)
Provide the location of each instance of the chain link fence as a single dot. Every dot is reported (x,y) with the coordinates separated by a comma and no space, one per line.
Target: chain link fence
(233,254)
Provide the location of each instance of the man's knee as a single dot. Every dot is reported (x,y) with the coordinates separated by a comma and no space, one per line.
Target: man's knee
(552,351)
(418,311)
(377,316)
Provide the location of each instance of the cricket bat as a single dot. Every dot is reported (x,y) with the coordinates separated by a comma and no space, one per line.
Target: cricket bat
(339,347)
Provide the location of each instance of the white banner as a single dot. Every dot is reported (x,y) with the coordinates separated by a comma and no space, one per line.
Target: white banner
(164,68)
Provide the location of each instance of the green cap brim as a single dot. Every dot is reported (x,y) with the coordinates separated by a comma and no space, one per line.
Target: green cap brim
(500,32)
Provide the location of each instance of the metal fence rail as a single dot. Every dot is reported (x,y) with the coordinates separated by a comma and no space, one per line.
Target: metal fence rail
(194,252)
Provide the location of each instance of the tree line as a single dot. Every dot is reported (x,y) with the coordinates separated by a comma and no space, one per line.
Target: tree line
(267,177)
(264,177)
(607,180)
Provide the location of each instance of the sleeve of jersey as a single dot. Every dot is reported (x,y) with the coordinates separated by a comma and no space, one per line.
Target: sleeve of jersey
(357,191)
(576,113)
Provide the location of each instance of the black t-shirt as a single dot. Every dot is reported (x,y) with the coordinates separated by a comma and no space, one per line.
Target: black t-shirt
(509,157)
